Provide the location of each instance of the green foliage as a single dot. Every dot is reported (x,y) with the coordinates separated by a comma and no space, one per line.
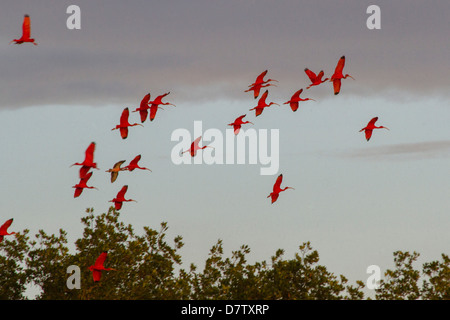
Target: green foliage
(401,283)
(13,274)
(147,266)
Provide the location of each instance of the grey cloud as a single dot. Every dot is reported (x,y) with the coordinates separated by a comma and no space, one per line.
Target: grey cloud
(125,49)
(419,150)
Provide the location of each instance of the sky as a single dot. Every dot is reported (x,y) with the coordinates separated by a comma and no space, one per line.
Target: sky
(356,201)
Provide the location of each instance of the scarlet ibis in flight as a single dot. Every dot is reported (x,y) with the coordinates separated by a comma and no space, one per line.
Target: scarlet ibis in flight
(238,123)
(82,185)
(262,104)
(88,162)
(120,198)
(194,147)
(143,107)
(369,128)
(98,266)
(115,170)
(134,164)
(4,229)
(338,75)
(260,83)
(295,99)
(315,79)
(155,105)
(277,189)
(26,32)
(124,124)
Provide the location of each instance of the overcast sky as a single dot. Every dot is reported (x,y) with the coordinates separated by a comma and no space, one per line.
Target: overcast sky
(356,201)
(209,49)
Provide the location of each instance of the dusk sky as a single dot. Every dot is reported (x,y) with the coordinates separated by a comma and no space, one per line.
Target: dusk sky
(357,201)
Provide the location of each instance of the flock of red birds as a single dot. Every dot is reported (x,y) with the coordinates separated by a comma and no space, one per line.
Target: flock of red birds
(151,107)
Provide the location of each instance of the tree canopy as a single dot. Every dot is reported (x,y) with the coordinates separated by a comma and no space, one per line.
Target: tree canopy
(149,267)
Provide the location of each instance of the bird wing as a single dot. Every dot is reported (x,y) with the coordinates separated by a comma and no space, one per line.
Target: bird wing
(121,193)
(294,105)
(337,86)
(118,205)
(143,113)
(196,141)
(240,118)
(101,259)
(114,175)
(256,89)
(77,192)
(135,161)
(368,133)
(97,275)
(124,132)
(297,94)
(258,111)
(89,153)
(259,79)
(84,171)
(340,65)
(86,177)
(320,75)
(153,110)
(145,100)
(262,100)
(6,225)
(143,107)
(26,27)
(118,164)
(124,116)
(158,99)
(372,122)
(311,75)
(277,184)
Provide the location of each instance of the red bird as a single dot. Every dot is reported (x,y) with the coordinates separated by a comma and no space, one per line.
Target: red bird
(262,104)
(26,32)
(155,105)
(98,267)
(337,76)
(81,185)
(4,229)
(120,198)
(194,147)
(134,164)
(277,189)
(315,79)
(238,123)
(88,162)
(369,128)
(143,108)
(295,100)
(124,124)
(115,170)
(260,83)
